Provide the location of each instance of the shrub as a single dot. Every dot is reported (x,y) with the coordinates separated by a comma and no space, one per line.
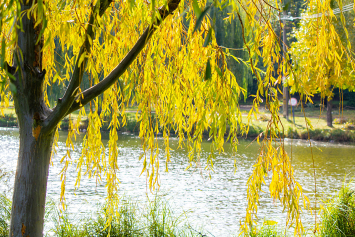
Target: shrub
(317,134)
(349,126)
(254,131)
(338,214)
(292,133)
(9,120)
(340,135)
(339,121)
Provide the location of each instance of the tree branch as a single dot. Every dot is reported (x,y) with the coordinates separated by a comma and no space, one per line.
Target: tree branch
(61,110)
(108,81)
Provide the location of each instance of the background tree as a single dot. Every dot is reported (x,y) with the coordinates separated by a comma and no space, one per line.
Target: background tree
(313,74)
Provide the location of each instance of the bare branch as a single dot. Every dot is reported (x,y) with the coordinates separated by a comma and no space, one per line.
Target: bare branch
(61,110)
(108,81)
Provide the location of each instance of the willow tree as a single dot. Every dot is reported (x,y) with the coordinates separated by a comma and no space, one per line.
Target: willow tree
(161,55)
(323,53)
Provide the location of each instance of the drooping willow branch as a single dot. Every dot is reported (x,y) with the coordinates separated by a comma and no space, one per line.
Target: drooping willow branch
(61,110)
(108,81)
(71,101)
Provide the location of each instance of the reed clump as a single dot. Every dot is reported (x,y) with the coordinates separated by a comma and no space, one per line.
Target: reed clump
(338,214)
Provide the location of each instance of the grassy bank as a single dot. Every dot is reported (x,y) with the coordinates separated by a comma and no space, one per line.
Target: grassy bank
(343,129)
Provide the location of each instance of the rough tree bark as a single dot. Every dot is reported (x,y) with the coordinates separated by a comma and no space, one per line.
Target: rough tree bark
(37,122)
(35,147)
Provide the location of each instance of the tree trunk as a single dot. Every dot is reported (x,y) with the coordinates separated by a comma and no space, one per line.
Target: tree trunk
(285,99)
(29,197)
(329,113)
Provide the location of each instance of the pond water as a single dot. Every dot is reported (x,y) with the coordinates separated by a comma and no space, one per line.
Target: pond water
(217,203)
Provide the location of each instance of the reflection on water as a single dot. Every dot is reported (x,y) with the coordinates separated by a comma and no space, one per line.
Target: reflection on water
(218,203)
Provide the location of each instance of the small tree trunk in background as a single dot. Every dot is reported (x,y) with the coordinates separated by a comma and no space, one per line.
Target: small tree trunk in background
(285,102)
(285,88)
(329,113)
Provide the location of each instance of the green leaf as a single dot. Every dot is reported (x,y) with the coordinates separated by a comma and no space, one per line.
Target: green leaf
(11,76)
(2,53)
(196,8)
(44,26)
(131,3)
(62,5)
(208,74)
(153,10)
(13,88)
(208,37)
(18,63)
(286,6)
(200,18)
(223,5)
(40,7)
(218,71)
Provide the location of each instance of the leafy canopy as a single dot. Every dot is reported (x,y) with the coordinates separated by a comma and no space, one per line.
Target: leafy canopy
(323,53)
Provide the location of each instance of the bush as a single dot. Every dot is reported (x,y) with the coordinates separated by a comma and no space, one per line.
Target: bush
(340,135)
(316,134)
(339,121)
(338,214)
(254,131)
(9,120)
(292,133)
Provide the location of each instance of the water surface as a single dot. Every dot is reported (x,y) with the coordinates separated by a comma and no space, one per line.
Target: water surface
(217,203)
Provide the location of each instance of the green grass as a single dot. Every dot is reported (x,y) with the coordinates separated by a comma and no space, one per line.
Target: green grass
(5,205)
(5,214)
(154,218)
(265,230)
(338,214)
